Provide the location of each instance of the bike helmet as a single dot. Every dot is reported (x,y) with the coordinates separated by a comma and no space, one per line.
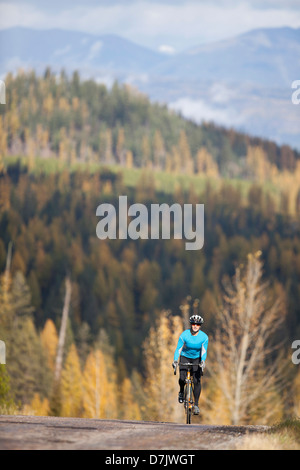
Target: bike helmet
(196,319)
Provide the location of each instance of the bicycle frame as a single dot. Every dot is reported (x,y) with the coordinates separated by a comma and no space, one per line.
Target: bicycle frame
(188,396)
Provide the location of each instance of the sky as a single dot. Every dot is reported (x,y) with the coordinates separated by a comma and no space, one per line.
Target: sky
(169,26)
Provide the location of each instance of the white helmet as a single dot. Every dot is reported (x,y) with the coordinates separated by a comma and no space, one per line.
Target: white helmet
(196,319)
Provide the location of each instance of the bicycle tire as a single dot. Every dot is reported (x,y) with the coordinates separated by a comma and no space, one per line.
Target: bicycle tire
(184,396)
(189,416)
(188,409)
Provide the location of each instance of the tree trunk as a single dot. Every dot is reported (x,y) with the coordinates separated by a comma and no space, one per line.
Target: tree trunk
(62,332)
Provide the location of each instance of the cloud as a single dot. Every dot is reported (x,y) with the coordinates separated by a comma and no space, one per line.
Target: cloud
(14,14)
(198,111)
(165,49)
(220,94)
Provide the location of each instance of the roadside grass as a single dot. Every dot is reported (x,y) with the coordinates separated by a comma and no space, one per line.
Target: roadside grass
(282,436)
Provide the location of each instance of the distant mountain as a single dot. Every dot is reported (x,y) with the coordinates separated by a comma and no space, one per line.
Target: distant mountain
(242,82)
(72,49)
(267,57)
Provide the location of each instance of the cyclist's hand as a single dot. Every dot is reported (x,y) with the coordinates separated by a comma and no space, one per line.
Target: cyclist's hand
(202,365)
(174,364)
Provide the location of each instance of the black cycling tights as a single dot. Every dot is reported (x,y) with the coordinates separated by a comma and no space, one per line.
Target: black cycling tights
(197,383)
(196,373)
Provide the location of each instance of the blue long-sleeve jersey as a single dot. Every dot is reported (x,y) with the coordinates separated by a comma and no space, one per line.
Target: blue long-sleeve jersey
(192,346)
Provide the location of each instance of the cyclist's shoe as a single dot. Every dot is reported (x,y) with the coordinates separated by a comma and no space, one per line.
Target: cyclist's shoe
(196,410)
(180,397)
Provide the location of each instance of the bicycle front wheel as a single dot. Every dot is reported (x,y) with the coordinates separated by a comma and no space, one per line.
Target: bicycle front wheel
(188,415)
(188,407)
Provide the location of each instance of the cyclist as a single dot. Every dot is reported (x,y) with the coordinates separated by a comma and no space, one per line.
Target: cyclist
(192,348)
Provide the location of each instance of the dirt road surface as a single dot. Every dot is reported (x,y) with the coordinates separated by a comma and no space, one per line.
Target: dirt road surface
(51,433)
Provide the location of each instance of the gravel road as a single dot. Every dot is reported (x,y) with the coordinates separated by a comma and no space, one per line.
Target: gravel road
(51,433)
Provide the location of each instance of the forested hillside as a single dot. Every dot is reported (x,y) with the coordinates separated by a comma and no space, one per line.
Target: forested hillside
(83,120)
(66,147)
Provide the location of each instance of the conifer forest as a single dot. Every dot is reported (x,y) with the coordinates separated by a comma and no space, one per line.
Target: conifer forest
(90,326)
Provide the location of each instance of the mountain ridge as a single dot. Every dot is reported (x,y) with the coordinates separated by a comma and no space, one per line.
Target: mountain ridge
(242,82)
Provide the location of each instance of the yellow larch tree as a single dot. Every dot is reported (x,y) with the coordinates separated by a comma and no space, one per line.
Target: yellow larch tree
(30,149)
(5,198)
(75,103)
(49,339)
(168,163)
(296,394)
(129,409)
(158,149)
(120,145)
(161,387)
(205,163)
(13,120)
(63,147)
(176,160)
(99,387)
(215,405)
(6,300)
(39,138)
(71,385)
(3,142)
(257,163)
(249,378)
(48,104)
(37,407)
(63,104)
(289,184)
(108,146)
(146,150)
(129,159)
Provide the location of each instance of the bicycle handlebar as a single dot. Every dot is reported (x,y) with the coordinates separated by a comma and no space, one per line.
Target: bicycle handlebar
(183,364)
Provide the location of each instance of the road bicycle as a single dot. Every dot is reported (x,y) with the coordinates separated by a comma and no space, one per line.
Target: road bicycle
(188,394)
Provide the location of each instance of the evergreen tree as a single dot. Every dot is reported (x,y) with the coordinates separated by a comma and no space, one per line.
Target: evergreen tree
(25,358)
(26,362)
(6,400)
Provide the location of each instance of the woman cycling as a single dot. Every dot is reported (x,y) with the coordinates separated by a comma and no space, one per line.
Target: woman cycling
(192,348)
